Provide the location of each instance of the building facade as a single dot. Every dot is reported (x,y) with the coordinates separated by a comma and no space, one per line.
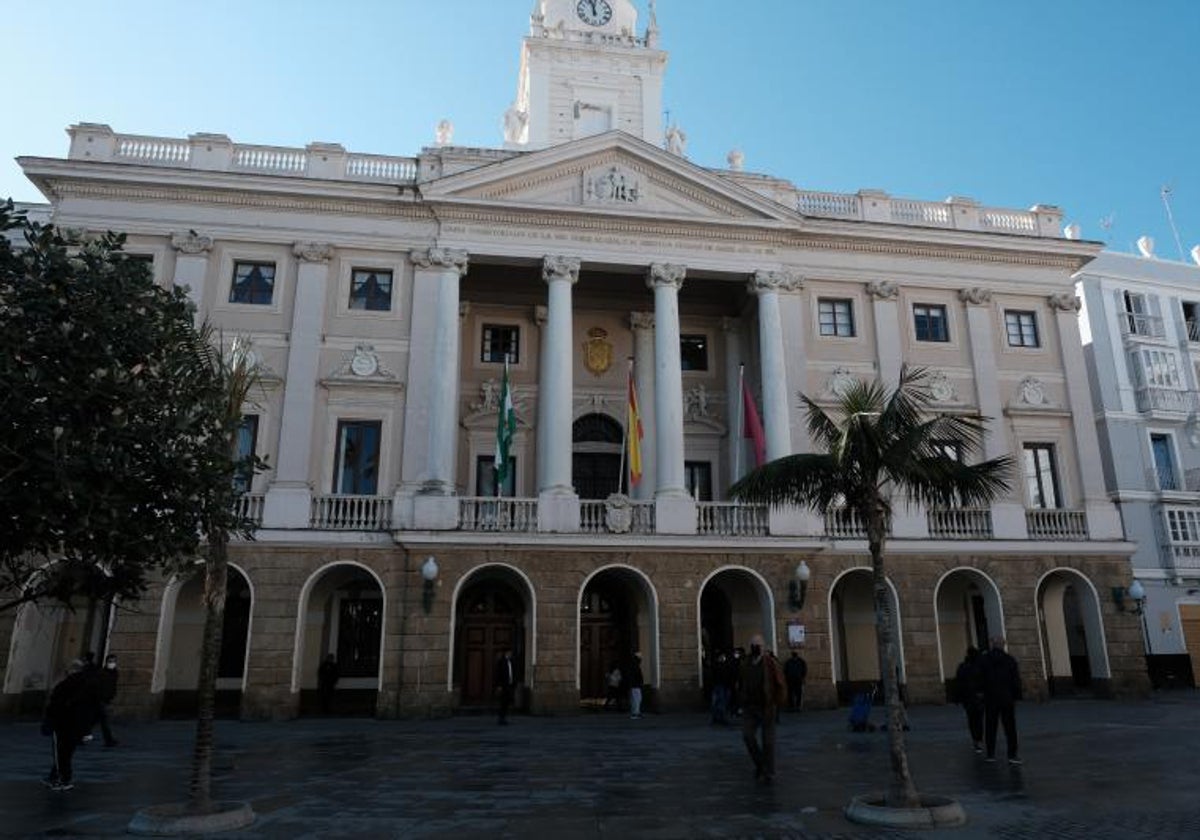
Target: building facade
(1141,325)
(382,297)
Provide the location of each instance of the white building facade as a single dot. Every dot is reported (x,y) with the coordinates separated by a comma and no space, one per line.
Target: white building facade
(382,296)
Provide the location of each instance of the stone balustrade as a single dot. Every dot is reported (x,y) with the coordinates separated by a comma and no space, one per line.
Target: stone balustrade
(960,523)
(731,519)
(249,506)
(351,513)
(1056,524)
(484,513)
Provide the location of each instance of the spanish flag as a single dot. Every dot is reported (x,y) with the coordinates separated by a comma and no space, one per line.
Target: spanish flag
(633,427)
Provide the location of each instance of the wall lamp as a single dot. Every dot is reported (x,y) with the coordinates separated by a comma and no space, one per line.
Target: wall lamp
(1131,600)
(429,571)
(798,587)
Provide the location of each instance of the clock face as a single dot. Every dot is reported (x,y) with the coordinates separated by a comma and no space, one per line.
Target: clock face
(594,12)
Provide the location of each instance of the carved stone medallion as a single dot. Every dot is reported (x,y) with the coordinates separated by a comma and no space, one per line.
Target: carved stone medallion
(618,513)
(941,388)
(612,185)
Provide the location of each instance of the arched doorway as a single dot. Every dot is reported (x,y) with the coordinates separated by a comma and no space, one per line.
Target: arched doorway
(46,639)
(342,610)
(852,633)
(735,604)
(492,614)
(1072,635)
(181,628)
(969,613)
(618,616)
(596,456)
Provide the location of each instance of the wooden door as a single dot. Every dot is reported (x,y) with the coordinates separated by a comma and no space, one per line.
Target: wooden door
(1189,619)
(490,624)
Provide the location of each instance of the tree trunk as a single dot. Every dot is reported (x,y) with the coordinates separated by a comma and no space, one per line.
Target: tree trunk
(215,570)
(902,791)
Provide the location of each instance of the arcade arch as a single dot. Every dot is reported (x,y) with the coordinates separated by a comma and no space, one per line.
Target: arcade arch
(854,650)
(1071,632)
(494,609)
(617,617)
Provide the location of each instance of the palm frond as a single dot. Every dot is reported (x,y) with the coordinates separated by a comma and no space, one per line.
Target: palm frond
(806,480)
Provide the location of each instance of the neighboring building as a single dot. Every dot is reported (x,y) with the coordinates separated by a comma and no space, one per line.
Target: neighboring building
(1141,325)
(382,296)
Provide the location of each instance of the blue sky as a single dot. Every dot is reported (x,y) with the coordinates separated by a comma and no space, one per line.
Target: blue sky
(1088,104)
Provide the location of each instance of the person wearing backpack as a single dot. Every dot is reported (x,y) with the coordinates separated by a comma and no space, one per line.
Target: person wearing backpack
(762,689)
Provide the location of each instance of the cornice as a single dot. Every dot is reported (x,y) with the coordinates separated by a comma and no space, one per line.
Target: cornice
(956,253)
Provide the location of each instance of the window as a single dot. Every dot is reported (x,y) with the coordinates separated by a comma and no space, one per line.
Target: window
(1159,369)
(693,352)
(1022,329)
(1191,319)
(1041,479)
(930,322)
(836,317)
(698,480)
(1141,316)
(500,340)
(253,282)
(357,463)
(247,440)
(371,290)
(1164,461)
(485,477)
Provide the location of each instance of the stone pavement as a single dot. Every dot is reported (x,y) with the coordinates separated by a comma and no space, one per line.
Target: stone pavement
(1094,769)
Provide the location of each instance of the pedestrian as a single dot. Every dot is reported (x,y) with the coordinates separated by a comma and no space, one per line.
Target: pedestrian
(328,675)
(969,687)
(612,687)
(1001,682)
(71,712)
(762,689)
(636,681)
(795,670)
(505,681)
(108,690)
(722,689)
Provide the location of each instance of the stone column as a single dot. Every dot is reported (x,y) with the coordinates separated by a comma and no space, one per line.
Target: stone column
(643,371)
(289,496)
(1008,513)
(889,353)
(1103,521)
(675,510)
(776,418)
(191,266)
(426,498)
(558,506)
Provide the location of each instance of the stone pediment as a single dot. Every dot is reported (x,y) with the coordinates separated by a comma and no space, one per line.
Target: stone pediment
(611,172)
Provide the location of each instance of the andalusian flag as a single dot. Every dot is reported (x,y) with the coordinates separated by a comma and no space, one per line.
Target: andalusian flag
(506,427)
(633,428)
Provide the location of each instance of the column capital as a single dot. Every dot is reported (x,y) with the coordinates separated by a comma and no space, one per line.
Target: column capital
(975,296)
(440,258)
(883,290)
(665,274)
(774,281)
(313,252)
(557,267)
(191,243)
(1064,302)
(641,320)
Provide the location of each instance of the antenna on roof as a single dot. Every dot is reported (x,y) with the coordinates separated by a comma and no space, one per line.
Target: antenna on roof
(1165,192)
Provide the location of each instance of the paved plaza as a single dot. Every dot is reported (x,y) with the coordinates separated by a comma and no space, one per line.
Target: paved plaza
(1094,769)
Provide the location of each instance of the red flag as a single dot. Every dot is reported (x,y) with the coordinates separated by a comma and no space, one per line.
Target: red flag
(752,426)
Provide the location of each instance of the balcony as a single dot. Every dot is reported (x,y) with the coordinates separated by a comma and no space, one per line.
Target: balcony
(1056,524)
(1168,400)
(730,519)
(249,506)
(513,516)
(1183,537)
(1137,325)
(625,517)
(351,513)
(960,523)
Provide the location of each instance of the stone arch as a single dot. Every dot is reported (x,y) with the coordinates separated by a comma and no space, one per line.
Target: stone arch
(854,655)
(596,455)
(341,592)
(967,610)
(641,624)
(755,587)
(1071,637)
(526,654)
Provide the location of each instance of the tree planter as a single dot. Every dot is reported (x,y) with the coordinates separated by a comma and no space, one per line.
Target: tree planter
(173,820)
(934,812)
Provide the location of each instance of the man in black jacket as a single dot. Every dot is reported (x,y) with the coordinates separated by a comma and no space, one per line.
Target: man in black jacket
(505,681)
(71,712)
(1001,690)
(969,687)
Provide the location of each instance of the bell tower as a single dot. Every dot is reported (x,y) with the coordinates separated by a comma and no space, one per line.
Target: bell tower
(586,70)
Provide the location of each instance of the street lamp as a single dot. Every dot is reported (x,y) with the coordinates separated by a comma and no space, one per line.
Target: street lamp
(798,587)
(429,571)
(1131,600)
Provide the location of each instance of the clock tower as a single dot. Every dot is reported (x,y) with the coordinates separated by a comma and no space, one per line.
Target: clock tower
(586,70)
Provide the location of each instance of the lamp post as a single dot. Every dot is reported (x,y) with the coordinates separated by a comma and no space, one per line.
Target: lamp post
(429,571)
(798,587)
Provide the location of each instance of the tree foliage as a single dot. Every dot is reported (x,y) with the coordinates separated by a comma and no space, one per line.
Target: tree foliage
(114,457)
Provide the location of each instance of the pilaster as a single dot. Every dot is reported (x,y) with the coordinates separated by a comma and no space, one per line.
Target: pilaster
(191,265)
(885,301)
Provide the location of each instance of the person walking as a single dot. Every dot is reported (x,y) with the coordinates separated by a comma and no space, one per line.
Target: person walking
(107,682)
(328,675)
(762,689)
(1001,683)
(505,681)
(636,681)
(71,712)
(795,670)
(969,687)
(722,689)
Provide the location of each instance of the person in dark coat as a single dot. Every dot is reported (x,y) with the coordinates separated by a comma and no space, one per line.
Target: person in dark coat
(795,670)
(1001,683)
(71,712)
(107,684)
(328,675)
(968,685)
(505,682)
(636,681)
(723,680)
(762,688)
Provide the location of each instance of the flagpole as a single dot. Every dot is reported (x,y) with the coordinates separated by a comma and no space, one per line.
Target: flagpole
(741,422)
(499,469)
(625,425)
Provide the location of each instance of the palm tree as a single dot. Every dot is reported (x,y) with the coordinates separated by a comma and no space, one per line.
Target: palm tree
(879,448)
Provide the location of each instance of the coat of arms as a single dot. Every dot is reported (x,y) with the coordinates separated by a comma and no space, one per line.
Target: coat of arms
(597,352)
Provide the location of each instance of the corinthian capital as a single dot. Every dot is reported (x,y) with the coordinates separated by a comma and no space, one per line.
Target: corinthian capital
(1064,302)
(883,290)
(774,281)
(666,274)
(440,258)
(314,252)
(975,296)
(641,320)
(191,243)
(556,267)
